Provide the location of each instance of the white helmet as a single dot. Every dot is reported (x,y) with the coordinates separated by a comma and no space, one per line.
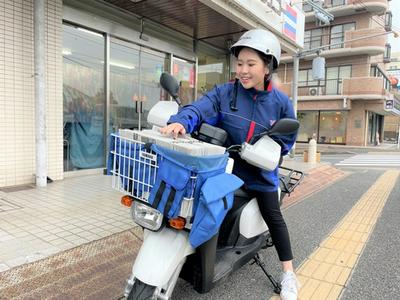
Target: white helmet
(262,41)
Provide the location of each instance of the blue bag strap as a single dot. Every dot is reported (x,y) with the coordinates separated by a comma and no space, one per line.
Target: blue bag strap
(159,194)
(170,200)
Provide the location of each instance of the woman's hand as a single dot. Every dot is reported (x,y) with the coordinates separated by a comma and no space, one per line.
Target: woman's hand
(174,129)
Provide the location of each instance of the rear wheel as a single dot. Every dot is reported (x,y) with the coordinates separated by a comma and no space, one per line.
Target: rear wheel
(141,291)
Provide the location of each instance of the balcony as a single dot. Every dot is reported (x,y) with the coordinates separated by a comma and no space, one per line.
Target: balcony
(341,8)
(365,46)
(377,41)
(364,88)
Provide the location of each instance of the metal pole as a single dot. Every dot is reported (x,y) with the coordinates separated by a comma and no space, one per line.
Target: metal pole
(295,80)
(40,93)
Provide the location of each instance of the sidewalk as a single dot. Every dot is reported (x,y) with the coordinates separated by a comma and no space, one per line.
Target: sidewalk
(36,223)
(73,239)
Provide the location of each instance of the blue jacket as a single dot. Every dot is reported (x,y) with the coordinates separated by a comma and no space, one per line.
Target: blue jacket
(257,111)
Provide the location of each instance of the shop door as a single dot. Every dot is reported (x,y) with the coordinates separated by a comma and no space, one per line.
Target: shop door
(134,84)
(375,128)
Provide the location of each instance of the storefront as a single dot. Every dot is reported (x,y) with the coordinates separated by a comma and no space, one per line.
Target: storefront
(111,78)
(103,60)
(327,127)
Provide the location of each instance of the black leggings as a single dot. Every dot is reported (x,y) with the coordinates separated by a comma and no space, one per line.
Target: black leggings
(271,212)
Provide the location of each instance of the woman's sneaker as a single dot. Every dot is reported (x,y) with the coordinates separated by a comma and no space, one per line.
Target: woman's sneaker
(290,285)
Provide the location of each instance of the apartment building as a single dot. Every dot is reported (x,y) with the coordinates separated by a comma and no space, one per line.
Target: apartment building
(351,104)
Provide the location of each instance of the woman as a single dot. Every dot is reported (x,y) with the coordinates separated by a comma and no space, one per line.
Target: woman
(244,108)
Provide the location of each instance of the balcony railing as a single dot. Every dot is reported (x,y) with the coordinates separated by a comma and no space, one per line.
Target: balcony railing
(336,38)
(346,86)
(349,7)
(325,87)
(365,2)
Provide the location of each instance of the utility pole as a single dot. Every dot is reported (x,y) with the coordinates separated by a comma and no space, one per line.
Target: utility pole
(325,17)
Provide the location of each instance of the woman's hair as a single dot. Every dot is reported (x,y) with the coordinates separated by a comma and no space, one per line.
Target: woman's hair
(265,58)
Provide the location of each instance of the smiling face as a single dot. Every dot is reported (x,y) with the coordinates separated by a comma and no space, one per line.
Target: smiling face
(251,69)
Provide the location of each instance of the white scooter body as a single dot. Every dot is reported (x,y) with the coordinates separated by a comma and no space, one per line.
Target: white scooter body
(163,253)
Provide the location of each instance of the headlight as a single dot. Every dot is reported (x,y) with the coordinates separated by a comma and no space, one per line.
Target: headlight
(146,216)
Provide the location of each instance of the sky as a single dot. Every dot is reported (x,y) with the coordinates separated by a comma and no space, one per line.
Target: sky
(395,9)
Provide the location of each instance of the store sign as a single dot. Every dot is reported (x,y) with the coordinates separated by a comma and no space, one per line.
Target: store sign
(281,15)
(393,105)
(293,23)
(389,104)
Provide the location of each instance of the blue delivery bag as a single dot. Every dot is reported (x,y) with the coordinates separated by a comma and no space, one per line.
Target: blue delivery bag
(181,175)
(216,199)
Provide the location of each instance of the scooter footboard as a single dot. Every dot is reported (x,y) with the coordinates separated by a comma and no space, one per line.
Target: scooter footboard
(160,255)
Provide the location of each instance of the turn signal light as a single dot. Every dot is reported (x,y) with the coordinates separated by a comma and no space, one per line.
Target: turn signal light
(126,200)
(177,223)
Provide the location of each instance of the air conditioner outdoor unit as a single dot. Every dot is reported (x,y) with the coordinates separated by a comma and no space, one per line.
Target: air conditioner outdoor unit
(313,91)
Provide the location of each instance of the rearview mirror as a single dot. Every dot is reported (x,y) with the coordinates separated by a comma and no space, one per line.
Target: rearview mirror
(284,126)
(169,83)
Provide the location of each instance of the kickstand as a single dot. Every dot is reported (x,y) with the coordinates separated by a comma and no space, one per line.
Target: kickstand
(259,262)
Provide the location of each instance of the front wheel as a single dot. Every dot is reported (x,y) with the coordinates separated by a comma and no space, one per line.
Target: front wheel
(141,291)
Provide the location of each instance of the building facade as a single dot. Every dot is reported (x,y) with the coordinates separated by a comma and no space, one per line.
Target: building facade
(103,63)
(392,123)
(349,106)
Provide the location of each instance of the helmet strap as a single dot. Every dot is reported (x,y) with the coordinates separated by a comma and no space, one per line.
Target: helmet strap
(234,96)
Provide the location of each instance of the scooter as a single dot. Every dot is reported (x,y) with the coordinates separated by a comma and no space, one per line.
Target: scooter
(166,253)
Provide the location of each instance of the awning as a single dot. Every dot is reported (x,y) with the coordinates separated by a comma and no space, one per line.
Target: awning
(215,22)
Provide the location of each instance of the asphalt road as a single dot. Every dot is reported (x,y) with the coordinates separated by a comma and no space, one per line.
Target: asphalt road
(309,223)
(377,274)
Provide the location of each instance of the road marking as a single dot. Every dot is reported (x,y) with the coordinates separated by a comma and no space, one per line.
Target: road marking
(387,160)
(324,273)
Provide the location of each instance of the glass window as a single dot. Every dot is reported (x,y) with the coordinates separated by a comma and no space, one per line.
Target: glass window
(334,76)
(134,83)
(124,86)
(152,64)
(212,70)
(332,127)
(373,71)
(308,125)
(337,34)
(307,7)
(303,77)
(312,38)
(306,79)
(337,2)
(388,50)
(84,98)
(184,72)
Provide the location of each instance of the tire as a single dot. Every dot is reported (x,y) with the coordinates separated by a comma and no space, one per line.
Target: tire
(141,291)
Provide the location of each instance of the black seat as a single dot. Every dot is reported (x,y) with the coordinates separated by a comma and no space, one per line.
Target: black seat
(241,193)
